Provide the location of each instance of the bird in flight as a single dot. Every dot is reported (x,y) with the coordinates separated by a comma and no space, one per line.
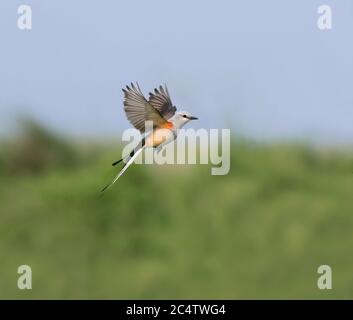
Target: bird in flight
(160,111)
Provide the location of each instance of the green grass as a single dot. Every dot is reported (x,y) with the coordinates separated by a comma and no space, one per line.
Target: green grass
(177,232)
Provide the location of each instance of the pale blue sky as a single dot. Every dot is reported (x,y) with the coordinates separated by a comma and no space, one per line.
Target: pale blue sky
(260,67)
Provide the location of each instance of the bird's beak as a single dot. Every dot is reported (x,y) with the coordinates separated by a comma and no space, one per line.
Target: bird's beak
(193,118)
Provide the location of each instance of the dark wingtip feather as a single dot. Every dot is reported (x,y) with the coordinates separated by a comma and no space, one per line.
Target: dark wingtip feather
(116,162)
(138,87)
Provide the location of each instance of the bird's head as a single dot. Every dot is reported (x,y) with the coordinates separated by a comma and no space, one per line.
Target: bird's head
(183,117)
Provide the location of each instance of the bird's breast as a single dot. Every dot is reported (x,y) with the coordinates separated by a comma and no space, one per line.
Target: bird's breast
(159,136)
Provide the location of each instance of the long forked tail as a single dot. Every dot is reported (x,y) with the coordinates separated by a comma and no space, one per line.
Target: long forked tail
(131,154)
(127,164)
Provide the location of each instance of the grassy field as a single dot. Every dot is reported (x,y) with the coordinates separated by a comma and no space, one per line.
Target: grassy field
(174,231)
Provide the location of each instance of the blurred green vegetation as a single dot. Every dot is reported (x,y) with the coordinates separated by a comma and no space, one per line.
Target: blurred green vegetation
(173,231)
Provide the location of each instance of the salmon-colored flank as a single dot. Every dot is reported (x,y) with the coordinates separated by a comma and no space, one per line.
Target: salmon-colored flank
(168,125)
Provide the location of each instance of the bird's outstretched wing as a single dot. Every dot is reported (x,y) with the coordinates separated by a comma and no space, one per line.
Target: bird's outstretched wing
(138,110)
(160,100)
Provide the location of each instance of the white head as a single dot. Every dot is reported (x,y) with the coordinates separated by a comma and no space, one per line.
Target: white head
(181,118)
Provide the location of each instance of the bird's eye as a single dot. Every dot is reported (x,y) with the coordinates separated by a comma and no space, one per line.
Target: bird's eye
(184,115)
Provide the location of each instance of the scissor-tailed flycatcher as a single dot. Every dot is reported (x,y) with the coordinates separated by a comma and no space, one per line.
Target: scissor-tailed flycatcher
(158,110)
